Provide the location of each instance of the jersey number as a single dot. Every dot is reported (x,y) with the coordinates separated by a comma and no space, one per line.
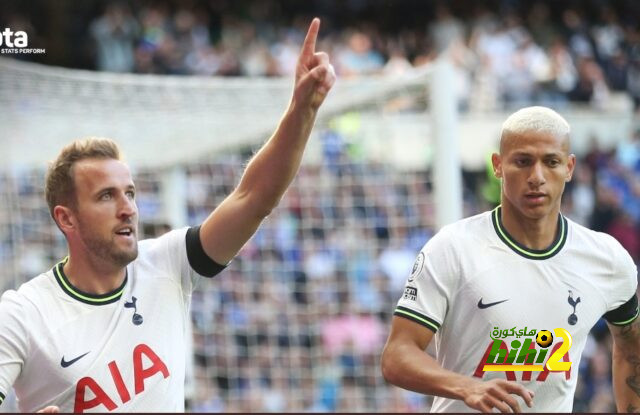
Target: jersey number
(140,374)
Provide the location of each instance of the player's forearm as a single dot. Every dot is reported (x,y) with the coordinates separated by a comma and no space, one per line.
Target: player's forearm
(626,378)
(411,368)
(626,366)
(274,166)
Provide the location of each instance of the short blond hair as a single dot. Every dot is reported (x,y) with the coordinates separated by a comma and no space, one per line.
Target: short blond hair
(537,118)
(59,181)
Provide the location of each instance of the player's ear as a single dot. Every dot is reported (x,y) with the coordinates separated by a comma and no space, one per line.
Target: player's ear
(64,218)
(571,164)
(496,161)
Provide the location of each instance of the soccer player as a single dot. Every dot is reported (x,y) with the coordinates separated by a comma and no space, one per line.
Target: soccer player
(523,266)
(104,329)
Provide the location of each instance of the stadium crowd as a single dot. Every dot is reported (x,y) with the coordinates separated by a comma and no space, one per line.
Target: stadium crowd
(506,52)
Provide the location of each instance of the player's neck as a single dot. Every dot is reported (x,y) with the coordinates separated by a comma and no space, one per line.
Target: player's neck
(533,233)
(93,277)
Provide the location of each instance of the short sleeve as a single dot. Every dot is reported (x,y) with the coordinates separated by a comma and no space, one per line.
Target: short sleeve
(198,259)
(13,341)
(181,252)
(625,314)
(622,306)
(431,284)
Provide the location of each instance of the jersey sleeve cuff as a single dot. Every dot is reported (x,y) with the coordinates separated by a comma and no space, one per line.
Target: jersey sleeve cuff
(419,318)
(626,314)
(2,396)
(198,259)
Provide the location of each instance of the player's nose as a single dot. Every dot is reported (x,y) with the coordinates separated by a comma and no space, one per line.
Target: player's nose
(126,207)
(536,175)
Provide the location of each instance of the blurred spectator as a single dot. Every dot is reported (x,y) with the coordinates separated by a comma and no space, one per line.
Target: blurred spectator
(528,69)
(628,152)
(397,65)
(591,86)
(616,70)
(577,33)
(540,23)
(115,33)
(607,35)
(446,29)
(358,57)
(562,76)
(633,74)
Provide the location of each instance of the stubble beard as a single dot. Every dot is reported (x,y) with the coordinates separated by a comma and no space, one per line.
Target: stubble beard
(107,250)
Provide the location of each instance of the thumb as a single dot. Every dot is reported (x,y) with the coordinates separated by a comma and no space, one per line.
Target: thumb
(309,80)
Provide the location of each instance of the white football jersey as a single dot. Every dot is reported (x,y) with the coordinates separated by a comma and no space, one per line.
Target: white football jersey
(122,351)
(472,278)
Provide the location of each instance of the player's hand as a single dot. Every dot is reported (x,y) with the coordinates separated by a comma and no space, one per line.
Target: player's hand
(314,73)
(49,410)
(498,394)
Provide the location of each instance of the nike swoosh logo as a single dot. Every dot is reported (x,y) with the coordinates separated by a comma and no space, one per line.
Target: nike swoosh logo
(65,363)
(483,306)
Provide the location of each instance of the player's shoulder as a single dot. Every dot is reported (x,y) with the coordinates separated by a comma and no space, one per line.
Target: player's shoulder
(603,247)
(478,224)
(459,234)
(171,239)
(161,256)
(468,228)
(29,295)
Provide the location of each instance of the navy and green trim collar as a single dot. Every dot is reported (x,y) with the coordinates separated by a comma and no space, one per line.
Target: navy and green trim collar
(421,319)
(518,248)
(92,299)
(1,398)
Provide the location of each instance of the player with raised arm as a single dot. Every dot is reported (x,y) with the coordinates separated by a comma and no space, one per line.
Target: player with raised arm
(480,286)
(105,328)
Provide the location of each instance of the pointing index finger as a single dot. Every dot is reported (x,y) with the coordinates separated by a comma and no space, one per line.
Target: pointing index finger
(309,45)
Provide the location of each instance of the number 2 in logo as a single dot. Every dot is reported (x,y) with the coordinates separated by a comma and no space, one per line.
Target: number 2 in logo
(553,363)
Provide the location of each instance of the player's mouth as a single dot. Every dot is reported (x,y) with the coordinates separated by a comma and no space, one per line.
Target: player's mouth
(126,232)
(535,197)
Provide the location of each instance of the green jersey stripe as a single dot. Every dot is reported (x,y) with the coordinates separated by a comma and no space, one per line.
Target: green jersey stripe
(624,323)
(417,317)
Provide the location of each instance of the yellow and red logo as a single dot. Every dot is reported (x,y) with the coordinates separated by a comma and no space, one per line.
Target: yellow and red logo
(524,356)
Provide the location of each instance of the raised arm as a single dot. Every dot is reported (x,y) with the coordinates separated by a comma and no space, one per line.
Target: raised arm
(274,166)
(626,366)
(405,364)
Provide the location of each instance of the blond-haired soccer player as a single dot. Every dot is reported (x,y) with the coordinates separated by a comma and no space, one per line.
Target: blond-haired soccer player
(104,330)
(480,286)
